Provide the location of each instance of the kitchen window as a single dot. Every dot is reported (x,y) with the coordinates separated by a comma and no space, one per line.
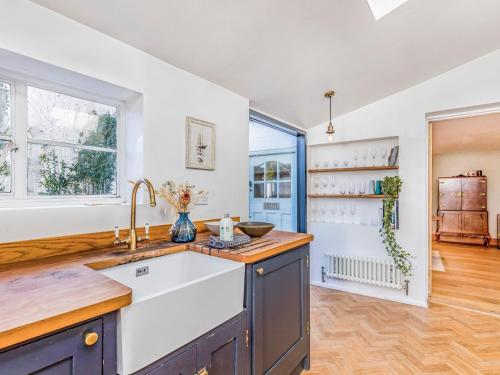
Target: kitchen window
(58,145)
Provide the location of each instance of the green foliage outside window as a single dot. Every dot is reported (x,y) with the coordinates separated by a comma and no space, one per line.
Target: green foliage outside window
(91,173)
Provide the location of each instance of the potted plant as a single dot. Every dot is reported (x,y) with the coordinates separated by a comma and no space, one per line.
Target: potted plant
(391,187)
(182,198)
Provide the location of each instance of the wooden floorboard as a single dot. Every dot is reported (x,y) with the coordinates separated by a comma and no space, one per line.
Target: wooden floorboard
(471,278)
(352,334)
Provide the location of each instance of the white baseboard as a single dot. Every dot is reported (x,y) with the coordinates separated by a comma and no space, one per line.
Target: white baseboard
(405,300)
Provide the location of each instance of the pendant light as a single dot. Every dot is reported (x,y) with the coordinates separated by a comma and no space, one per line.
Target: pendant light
(329,131)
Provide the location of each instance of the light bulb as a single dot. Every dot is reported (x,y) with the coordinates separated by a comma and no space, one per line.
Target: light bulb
(330,137)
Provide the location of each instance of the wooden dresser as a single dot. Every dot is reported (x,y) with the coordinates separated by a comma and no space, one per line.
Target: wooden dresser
(463,210)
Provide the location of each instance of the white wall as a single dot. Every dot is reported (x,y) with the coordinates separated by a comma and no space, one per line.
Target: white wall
(404,115)
(168,96)
(453,164)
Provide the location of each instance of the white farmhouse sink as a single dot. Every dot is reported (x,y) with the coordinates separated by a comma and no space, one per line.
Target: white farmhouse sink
(182,296)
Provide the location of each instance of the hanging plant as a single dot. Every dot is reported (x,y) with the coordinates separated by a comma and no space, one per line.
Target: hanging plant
(391,187)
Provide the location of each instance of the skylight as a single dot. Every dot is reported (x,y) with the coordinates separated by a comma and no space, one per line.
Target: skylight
(380,8)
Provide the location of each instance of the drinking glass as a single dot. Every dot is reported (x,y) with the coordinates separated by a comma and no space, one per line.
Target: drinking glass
(335,163)
(316,184)
(324,184)
(362,187)
(316,164)
(342,213)
(353,213)
(373,153)
(383,155)
(346,163)
(364,156)
(326,164)
(342,188)
(323,213)
(355,156)
(333,182)
(333,211)
(352,188)
(314,212)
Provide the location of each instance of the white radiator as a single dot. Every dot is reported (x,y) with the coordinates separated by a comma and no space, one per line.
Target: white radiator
(364,270)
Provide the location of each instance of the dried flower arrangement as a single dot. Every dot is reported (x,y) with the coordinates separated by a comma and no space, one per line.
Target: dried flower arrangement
(181,197)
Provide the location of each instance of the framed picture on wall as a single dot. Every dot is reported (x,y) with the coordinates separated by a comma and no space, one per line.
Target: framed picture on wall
(200,144)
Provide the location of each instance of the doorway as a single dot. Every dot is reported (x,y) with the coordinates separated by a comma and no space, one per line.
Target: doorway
(276,174)
(464,202)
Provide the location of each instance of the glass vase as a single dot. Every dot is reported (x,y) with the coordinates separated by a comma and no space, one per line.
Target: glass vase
(183,230)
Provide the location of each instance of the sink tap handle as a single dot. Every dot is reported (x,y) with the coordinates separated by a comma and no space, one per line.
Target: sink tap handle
(146,231)
(117,240)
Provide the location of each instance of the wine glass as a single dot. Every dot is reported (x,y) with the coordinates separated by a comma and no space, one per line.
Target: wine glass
(355,156)
(316,184)
(323,212)
(333,211)
(364,156)
(383,155)
(324,184)
(314,210)
(342,213)
(373,153)
(333,182)
(353,213)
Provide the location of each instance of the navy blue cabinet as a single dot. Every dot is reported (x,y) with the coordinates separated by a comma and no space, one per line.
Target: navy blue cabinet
(183,363)
(225,350)
(75,351)
(278,297)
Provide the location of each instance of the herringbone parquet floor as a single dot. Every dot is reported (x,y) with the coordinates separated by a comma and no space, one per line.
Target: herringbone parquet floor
(353,334)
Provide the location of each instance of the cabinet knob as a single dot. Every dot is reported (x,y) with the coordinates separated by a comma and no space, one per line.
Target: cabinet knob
(260,271)
(91,338)
(203,371)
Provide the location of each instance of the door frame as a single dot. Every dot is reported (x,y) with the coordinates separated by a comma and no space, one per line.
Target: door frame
(430,118)
(301,162)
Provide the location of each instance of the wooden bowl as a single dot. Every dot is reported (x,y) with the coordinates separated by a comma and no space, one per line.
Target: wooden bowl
(255,228)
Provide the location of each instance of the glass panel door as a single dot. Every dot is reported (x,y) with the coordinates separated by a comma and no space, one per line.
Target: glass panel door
(273,176)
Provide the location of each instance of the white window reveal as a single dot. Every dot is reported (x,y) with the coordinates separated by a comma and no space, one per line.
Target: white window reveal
(6,141)
(58,145)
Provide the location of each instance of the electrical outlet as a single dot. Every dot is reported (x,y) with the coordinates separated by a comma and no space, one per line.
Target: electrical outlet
(203,201)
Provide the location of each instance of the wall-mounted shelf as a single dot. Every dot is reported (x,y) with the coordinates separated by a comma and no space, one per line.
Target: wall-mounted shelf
(346,196)
(354,169)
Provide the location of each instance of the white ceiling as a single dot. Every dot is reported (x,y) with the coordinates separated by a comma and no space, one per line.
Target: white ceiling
(284,54)
(477,133)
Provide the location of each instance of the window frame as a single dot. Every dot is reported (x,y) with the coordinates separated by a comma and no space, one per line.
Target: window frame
(18,197)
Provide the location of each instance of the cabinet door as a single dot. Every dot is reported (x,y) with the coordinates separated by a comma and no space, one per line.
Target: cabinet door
(224,351)
(474,193)
(450,194)
(280,312)
(182,364)
(450,221)
(63,353)
(475,223)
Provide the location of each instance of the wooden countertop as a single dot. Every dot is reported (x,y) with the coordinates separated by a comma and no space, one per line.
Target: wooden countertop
(41,296)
